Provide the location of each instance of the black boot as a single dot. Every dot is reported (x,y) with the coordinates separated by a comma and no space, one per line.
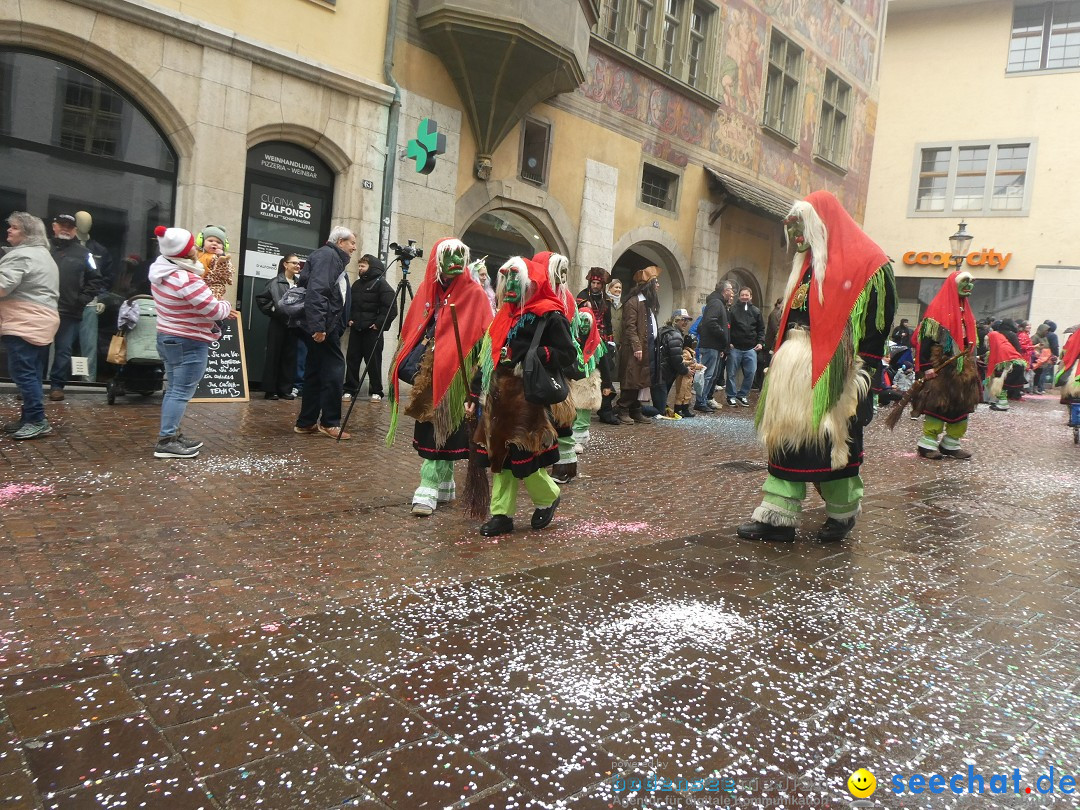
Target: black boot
(834,529)
(563,473)
(685,412)
(756,530)
(496,525)
(541,518)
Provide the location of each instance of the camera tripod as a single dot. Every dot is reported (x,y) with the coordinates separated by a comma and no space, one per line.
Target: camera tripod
(402,295)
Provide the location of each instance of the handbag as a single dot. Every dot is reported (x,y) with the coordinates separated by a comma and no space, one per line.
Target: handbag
(117,349)
(291,304)
(543,386)
(410,366)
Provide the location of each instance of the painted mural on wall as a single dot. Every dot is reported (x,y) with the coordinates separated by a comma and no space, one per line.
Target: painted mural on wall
(842,35)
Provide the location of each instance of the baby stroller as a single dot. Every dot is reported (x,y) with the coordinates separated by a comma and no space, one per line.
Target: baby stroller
(142,372)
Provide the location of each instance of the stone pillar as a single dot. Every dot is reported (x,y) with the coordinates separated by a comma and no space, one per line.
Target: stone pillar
(705,259)
(596,234)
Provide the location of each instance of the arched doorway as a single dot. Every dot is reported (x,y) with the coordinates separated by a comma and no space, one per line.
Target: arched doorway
(501,233)
(288,200)
(72,141)
(641,255)
(741,277)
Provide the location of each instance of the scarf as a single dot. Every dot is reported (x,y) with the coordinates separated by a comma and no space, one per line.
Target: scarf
(948,321)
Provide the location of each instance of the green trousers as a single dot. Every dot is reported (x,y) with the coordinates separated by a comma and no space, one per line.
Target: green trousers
(782,500)
(931,428)
(581,426)
(504,490)
(436,483)
(567,455)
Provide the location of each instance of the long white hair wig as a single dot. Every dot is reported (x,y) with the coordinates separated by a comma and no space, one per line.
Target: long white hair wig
(817,236)
(514,265)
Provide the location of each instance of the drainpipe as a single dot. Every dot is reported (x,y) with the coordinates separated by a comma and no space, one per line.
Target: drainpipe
(392,121)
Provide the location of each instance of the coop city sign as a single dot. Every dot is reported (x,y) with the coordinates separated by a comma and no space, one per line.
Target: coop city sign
(978,258)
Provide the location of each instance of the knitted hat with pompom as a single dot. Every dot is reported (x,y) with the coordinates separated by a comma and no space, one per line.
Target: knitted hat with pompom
(175,243)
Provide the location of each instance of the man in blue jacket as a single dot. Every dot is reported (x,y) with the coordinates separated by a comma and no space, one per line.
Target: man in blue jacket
(325,318)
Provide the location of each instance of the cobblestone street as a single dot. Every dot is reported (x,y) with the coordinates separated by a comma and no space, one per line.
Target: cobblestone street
(268,626)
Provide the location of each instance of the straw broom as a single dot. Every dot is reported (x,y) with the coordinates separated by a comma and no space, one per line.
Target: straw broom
(899,408)
(476,494)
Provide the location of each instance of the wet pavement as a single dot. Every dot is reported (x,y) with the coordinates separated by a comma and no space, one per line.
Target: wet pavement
(268,627)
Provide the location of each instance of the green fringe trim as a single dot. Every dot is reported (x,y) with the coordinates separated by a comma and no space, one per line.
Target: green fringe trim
(830,385)
(394,415)
(590,367)
(487,364)
(1004,368)
(455,394)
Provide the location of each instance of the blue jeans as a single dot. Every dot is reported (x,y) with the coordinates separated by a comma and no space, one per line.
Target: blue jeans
(185,364)
(746,359)
(26,365)
(62,343)
(710,358)
(324,382)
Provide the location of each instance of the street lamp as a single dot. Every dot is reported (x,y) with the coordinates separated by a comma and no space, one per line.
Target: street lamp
(958,245)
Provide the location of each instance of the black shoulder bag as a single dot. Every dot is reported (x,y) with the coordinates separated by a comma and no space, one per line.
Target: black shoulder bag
(543,386)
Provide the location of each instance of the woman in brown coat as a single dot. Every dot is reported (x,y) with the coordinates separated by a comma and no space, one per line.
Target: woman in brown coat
(638,344)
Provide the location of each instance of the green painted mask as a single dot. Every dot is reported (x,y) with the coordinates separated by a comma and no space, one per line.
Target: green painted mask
(452,263)
(794,226)
(512,289)
(964,287)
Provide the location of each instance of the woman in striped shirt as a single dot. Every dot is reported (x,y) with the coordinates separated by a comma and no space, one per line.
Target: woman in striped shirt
(187,312)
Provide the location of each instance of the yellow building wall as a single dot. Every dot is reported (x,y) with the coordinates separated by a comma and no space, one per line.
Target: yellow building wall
(943,80)
(349,37)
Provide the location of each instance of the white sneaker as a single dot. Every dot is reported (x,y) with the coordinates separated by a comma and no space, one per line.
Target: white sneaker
(715,404)
(376,397)
(346,397)
(578,448)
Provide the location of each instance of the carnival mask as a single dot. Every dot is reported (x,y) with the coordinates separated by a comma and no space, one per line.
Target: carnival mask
(512,291)
(452,257)
(964,286)
(794,226)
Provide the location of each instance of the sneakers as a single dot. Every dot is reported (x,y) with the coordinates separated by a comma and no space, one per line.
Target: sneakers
(346,397)
(12,427)
(422,510)
(376,397)
(294,393)
(705,409)
(641,419)
(308,429)
(732,401)
(334,432)
(744,402)
(32,430)
(927,452)
(56,395)
(712,403)
(191,444)
(171,447)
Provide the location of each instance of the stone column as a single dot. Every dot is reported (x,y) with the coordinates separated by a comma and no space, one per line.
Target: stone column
(596,234)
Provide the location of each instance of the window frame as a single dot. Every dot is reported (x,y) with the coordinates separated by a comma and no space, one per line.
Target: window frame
(949,209)
(619,25)
(547,126)
(831,109)
(1045,35)
(780,73)
(648,162)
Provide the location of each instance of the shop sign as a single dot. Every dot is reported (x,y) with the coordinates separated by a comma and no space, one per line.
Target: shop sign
(942,259)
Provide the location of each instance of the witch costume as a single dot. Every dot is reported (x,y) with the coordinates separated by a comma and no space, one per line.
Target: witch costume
(816,399)
(429,356)
(954,390)
(516,438)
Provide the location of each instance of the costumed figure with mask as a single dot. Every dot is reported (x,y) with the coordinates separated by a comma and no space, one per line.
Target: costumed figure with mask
(950,392)
(1005,365)
(639,332)
(1068,379)
(838,311)
(557,267)
(516,438)
(595,294)
(585,384)
(428,358)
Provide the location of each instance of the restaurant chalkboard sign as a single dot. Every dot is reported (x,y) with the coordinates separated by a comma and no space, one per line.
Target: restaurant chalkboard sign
(225,379)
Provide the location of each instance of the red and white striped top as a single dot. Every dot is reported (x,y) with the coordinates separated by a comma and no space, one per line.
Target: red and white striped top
(185,305)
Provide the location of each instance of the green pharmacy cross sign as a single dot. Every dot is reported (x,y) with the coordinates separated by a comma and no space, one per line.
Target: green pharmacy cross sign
(429,143)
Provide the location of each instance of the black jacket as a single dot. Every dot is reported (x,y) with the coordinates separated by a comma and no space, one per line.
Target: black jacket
(747,326)
(372,299)
(555,350)
(268,300)
(902,335)
(323,303)
(714,327)
(79,279)
(669,346)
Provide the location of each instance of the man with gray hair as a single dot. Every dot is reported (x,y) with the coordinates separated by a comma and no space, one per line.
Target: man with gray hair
(322,325)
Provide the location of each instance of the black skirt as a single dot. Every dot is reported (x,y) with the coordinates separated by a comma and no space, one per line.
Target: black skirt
(456,447)
(814,464)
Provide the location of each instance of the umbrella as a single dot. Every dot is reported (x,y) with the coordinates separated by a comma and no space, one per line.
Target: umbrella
(1072,329)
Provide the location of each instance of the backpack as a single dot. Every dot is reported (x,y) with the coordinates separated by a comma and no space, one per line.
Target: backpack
(291,304)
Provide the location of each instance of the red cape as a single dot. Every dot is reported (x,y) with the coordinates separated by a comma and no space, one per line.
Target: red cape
(853,259)
(1071,352)
(592,342)
(1001,351)
(540,302)
(946,310)
(473,316)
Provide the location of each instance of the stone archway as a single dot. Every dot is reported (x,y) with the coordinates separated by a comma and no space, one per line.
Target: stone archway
(545,213)
(741,277)
(642,247)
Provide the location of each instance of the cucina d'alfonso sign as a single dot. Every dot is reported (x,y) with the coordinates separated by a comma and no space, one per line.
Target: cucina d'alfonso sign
(978,258)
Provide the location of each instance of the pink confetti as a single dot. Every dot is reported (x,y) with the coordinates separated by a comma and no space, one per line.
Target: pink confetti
(14,492)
